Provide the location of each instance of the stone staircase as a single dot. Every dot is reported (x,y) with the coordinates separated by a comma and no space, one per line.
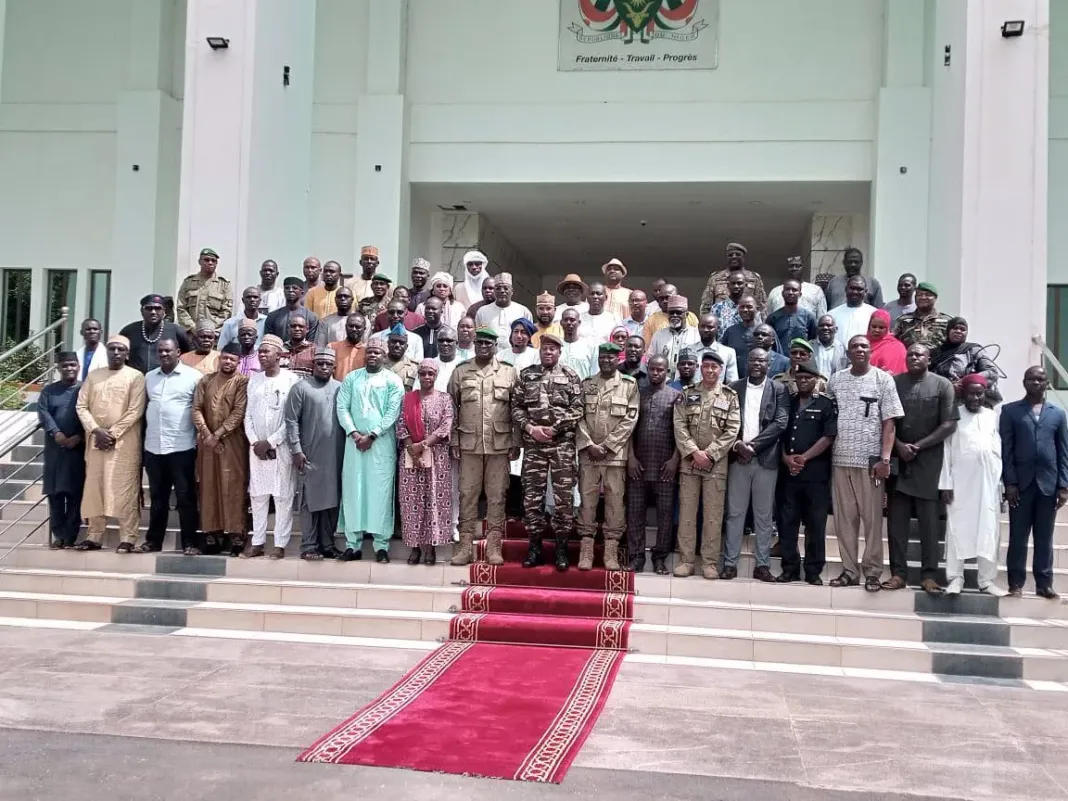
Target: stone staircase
(736,623)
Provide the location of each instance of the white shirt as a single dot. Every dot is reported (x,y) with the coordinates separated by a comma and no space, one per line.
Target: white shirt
(271,300)
(851,321)
(597,328)
(520,361)
(500,318)
(445,371)
(580,356)
(668,343)
(812,298)
(581,308)
(265,420)
(754,393)
(730,359)
(99,358)
(169,414)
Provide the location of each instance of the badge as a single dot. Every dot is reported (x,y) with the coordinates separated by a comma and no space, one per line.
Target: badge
(721,403)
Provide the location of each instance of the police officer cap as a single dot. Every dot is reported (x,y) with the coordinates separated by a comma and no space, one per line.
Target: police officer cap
(711,356)
(808,368)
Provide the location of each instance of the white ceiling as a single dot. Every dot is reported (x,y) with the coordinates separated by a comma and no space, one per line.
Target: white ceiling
(569,227)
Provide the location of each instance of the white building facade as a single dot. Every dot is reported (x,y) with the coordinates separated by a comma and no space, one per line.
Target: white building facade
(912,129)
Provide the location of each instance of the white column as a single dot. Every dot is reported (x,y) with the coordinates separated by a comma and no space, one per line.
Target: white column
(383,198)
(246,136)
(3,18)
(899,189)
(987,246)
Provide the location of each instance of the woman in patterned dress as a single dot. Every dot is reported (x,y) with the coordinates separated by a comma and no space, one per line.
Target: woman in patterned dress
(425,475)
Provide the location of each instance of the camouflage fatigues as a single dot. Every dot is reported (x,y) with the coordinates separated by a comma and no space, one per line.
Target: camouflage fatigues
(611,412)
(708,420)
(930,330)
(407,370)
(716,289)
(787,380)
(201,298)
(553,398)
(370,308)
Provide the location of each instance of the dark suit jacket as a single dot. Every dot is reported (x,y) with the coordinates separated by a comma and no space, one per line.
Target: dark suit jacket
(1034,452)
(774,417)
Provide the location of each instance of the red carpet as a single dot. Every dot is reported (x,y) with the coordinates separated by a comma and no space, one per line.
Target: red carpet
(514,693)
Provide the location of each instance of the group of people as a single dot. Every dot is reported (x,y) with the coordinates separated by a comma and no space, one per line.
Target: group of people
(356,401)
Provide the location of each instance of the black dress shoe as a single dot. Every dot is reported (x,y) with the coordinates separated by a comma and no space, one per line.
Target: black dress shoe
(660,567)
(786,578)
(382,557)
(729,573)
(351,555)
(815,581)
(416,556)
(1047,592)
(1015,592)
(331,553)
(763,574)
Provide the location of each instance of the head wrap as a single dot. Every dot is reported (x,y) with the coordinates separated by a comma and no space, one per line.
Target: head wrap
(485,332)
(552,339)
(956,321)
(473,283)
(273,341)
(614,263)
(708,356)
(883,316)
(208,252)
(152,300)
(382,277)
(368,250)
(572,278)
(66,356)
(801,343)
(475,255)
(809,368)
(609,347)
(325,353)
(504,278)
(398,330)
(527,325)
(974,378)
(421,262)
(292,280)
(676,303)
(232,348)
(120,339)
(887,351)
(444,278)
(737,246)
(622,328)
(927,286)
(545,299)
(430,364)
(686,355)
(205,325)
(247,323)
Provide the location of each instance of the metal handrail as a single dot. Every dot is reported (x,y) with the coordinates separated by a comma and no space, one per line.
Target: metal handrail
(1058,368)
(60,323)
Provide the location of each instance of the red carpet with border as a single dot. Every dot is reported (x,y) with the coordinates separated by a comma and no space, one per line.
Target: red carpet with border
(531,657)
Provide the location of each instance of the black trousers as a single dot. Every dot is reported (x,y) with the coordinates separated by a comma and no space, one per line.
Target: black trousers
(65,516)
(899,512)
(1034,516)
(638,493)
(803,502)
(175,471)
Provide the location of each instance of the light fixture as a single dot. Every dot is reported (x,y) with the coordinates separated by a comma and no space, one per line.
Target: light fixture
(218,43)
(1011,28)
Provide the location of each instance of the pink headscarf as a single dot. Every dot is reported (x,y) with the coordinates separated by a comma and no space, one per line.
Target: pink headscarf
(887,351)
(616,330)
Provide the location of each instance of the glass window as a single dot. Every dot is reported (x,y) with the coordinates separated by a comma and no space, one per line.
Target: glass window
(1057,328)
(62,285)
(100,298)
(17,286)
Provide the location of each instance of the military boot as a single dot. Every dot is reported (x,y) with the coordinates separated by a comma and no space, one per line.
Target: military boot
(534,553)
(683,570)
(493,547)
(464,552)
(611,555)
(586,554)
(561,553)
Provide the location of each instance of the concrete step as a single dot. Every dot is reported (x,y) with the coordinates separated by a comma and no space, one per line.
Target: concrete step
(29,471)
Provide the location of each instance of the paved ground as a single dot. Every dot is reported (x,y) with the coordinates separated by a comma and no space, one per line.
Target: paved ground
(230,715)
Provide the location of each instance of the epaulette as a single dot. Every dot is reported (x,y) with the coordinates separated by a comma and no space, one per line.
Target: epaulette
(629,378)
(728,389)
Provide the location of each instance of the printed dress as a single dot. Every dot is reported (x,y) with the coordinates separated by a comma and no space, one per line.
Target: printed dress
(426,494)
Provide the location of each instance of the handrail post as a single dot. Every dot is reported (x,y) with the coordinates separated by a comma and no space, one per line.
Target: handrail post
(64,320)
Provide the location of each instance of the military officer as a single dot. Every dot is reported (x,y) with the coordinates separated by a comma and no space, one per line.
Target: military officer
(611,406)
(205,295)
(706,421)
(800,351)
(396,356)
(546,407)
(806,481)
(484,440)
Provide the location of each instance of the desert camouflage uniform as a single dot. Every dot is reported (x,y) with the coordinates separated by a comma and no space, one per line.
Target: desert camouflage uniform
(407,370)
(201,298)
(930,331)
(787,380)
(716,289)
(553,398)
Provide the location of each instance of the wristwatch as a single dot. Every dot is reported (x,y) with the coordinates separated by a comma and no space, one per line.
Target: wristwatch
(885,461)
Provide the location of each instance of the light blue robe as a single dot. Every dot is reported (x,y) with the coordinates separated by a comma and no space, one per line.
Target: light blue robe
(369,403)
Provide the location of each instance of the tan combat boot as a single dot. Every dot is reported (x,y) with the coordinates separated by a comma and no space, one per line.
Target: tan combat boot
(683,570)
(463,554)
(586,554)
(493,547)
(611,555)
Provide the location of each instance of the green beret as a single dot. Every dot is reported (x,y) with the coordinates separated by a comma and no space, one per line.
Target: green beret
(927,286)
(209,252)
(485,332)
(609,347)
(382,277)
(801,343)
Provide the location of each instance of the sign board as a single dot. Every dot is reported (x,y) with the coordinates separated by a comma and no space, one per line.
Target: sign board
(638,34)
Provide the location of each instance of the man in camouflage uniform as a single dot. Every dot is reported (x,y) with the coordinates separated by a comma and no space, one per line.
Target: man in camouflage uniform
(546,407)
(707,421)
(205,295)
(926,325)
(397,359)
(716,289)
(800,353)
(611,406)
(483,440)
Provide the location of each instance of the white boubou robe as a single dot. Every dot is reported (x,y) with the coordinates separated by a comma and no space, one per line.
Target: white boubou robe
(971,468)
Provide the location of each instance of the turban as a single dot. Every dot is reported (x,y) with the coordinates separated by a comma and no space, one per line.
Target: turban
(927,286)
(441,278)
(382,277)
(528,326)
(707,356)
(368,250)
(232,348)
(504,278)
(614,263)
(609,347)
(205,325)
(209,252)
(800,343)
(152,300)
(974,378)
(273,341)
(247,323)
(66,356)
(737,246)
(429,364)
(552,339)
(293,281)
(421,262)
(485,332)
(475,255)
(119,339)
(545,299)
(398,330)
(325,353)
(676,303)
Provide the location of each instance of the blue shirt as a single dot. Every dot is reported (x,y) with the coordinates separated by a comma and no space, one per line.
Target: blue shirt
(788,327)
(169,414)
(228,332)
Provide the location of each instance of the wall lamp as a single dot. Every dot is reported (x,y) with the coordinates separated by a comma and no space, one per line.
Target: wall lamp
(1011,28)
(219,43)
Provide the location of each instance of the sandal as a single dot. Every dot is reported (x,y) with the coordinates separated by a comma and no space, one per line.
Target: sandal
(124,547)
(416,556)
(844,580)
(894,583)
(871,584)
(87,545)
(191,551)
(431,557)
(148,547)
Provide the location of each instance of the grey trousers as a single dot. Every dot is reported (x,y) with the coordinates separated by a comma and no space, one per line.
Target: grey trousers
(317,529)
(750,482)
